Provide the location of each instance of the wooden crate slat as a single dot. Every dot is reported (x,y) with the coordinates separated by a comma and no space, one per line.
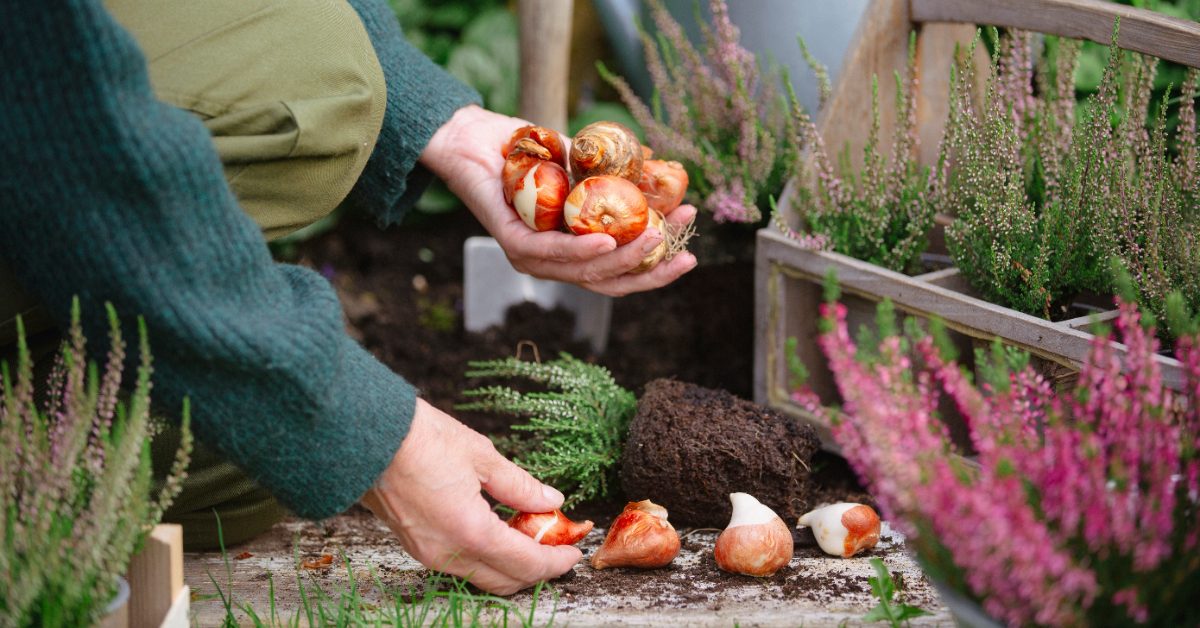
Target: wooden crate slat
(1142,31)
(1055,342)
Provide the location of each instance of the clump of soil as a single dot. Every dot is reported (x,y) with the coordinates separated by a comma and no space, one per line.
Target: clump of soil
(689,447)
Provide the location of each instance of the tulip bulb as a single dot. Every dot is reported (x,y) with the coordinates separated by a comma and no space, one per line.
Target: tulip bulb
(756,542)
(640,536)
(606,148)
(664,183)
(536,188)
(549,141)
(660,252)
(550,528)
(844,529)
(607,204)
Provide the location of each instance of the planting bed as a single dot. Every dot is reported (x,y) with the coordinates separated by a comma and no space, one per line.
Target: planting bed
(402,290)
(813,590)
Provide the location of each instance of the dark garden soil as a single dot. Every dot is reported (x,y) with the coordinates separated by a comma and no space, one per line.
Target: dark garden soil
(402,289)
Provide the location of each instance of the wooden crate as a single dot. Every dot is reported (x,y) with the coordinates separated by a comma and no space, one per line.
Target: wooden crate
(789,290)
(789,279)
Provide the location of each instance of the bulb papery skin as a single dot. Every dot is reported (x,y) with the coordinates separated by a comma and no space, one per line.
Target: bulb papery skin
(537,193)
(660,252)
(664,183)
(640,537)
(607,204)
(756,542)
(606,148)
(543,137)
(550,528)
(844,529)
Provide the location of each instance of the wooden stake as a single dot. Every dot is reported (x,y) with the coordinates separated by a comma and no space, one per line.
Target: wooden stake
(156,576)
(545,61)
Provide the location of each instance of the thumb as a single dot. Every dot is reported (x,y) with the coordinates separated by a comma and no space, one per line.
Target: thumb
(514,487)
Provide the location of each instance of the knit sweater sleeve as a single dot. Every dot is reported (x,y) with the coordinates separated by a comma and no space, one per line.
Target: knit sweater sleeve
(420,98)
(108,194)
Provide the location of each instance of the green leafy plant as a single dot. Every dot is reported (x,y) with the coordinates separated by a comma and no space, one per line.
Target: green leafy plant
(891,608)
(575,434)
(75,481)
(716,112)
(880,214)
(1043,199)
(478,42)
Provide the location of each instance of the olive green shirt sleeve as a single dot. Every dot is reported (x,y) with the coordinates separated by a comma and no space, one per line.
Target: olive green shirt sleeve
(421,97)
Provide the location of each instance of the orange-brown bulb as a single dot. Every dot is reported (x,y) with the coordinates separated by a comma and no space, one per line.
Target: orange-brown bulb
(640,536)
(606,148)
(550,528)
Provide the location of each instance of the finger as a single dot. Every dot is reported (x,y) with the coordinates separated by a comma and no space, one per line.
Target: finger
(523,244)
(521,559)
(661,275)
(681,215)
(513,486)
(619,262)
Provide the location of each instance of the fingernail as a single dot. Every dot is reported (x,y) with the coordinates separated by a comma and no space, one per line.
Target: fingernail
(652,240)
(551,494)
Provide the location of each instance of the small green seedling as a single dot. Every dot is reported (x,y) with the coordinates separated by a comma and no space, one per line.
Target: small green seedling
(890,608)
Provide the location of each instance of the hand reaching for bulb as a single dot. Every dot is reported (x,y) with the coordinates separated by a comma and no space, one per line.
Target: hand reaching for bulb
(430,498)
(466,152)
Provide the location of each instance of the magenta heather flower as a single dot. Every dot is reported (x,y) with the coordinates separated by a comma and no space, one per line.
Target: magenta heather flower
(1079,508)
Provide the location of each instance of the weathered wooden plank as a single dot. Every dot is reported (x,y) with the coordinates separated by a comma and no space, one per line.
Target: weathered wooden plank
(1054,342)
(545,61)
(1142,31)
(879,48)
(691,592)
(155,576)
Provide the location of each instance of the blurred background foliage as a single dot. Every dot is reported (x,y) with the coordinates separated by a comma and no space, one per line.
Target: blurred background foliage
(478,42)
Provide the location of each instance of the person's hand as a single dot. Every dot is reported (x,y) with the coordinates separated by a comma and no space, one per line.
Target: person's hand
(466,153)
(430,497)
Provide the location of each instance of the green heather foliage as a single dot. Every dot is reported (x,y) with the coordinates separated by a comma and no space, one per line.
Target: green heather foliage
(575,433)
(1044,196)
(75,482)
(716,112)
(881,213)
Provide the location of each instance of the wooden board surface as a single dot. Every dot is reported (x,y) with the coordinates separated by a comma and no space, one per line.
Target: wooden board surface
(156,576)
(1141,30)
(682,594)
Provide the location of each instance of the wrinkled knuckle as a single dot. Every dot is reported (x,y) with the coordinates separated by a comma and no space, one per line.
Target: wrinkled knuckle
(475,542)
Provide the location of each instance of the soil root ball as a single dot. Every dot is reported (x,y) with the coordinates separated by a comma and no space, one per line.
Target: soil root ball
(689,447)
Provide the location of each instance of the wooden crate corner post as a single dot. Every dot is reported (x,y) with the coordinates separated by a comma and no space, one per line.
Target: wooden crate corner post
(158,596)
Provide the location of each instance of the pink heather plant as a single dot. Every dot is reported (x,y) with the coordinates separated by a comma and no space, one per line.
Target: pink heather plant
(881,213)
(1082,508)
(715,112)
(76,493)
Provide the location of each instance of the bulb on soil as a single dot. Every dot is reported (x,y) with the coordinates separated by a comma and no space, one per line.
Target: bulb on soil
(756,542)
(640,536)
(550,528)
(844,529)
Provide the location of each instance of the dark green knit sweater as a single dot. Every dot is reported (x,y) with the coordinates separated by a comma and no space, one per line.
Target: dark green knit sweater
(110,195)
